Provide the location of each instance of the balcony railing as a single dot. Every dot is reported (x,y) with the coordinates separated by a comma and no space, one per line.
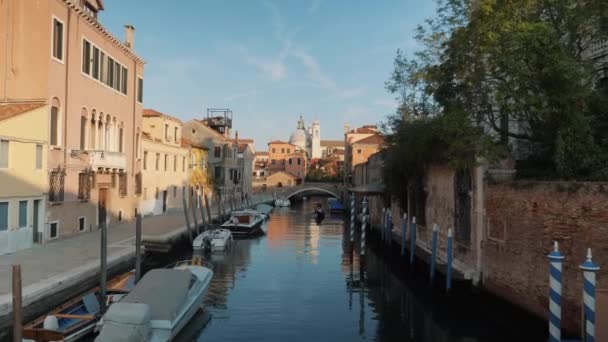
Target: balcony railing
(596,49)
(105,159)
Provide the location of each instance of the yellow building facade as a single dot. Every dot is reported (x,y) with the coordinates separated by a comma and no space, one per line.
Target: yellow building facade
(199,170)
(165,164)
(23,175)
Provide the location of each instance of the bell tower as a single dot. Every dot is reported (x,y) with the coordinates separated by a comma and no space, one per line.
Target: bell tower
(316,139)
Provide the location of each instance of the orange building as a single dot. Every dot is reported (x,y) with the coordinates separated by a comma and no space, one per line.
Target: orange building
(92,82)
(360,143)
(283,156)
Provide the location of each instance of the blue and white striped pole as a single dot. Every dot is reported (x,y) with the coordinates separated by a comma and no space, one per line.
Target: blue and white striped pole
(589,270)
(448,273)
(363,225)
(413,240)
(556,259)
(403,233)
(352,217)
(433,252)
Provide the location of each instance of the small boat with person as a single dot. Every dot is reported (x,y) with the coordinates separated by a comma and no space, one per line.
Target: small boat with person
(319,214)
(159,306)
(77,318)
(244,222)
(213,240)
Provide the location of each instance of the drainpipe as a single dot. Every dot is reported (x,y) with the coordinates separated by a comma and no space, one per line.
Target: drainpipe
(65,107)
(8,11)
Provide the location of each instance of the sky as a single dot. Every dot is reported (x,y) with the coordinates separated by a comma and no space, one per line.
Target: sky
(270,61)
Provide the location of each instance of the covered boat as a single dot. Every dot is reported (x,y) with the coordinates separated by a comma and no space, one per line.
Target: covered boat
(244,222)
(159,306)
(335,205)
(77,318)
(213,240)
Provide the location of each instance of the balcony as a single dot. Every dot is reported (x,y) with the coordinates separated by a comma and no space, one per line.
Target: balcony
(597,50)
(103,159)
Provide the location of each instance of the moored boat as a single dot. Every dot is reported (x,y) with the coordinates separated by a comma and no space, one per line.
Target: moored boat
(77,317)
(335,205)
(213,240)
(280,202)
(159,306)
(244,222)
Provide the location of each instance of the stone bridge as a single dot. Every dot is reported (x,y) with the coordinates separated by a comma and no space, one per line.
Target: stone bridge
(332,189)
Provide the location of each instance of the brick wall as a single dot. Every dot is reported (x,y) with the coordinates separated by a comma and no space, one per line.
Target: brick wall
(522,221)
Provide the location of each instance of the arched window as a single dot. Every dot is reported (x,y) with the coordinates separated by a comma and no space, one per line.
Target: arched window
(100,131)
(92,130)
(54,137)
(107,139)
(121,137)
(83,128)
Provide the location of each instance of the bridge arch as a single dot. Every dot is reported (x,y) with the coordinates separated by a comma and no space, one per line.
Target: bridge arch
(307,189)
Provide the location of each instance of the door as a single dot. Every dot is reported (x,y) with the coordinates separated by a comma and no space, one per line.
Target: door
(165,201)
(36,221)
(102,207)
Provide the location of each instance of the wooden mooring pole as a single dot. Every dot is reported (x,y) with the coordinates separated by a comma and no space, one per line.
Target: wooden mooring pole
(137,247)
(103,268)
(17,304)
(187,216)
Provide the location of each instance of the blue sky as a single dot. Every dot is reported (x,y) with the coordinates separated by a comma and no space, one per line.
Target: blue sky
(270,61)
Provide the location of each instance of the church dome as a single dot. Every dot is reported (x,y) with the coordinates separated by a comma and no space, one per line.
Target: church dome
(300,136)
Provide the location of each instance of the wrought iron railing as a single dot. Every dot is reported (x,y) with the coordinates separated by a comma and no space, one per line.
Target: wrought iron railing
(56,185)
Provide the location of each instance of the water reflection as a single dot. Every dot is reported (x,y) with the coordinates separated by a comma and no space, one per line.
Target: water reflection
(303,281)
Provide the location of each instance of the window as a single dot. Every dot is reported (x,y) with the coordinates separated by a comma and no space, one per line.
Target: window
(3,216)
(274,150)
(145,193)
(117,74)
(86,57)
(166,132)
(38,157)
(166,162)
(184,164)
(174,163)
(174,191)
(156,193)
(122,184)
(124,79)
(22,214)
(299,161)
(282,150)
(218,172)
(157,161)
(81,223)
(95,62)
(273,162)
(175,134)
(53,228)
(85,183)
(138,184)
(121,138)
(102,67)
(217,152)
(3,153)
(83,129)
(140,90)
(57,39)
(288,150)
(54,126)
(145,160)
(110,72)
(359,151)
(289,161)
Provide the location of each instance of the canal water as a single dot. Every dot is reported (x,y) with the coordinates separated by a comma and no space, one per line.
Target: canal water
(301,282)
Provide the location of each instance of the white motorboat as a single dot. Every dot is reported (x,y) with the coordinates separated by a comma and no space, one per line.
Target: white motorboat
(213,240)
(159,306)
(244,222)
(280,202)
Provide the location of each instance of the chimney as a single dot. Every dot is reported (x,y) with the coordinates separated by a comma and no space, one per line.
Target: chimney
(236,137)
(129,35)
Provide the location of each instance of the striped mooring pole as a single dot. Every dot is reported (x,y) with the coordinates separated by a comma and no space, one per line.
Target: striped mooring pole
(403,233)
(363,225)
(556,259)
(433,252)
(589,270)
(448,273)
(413,240)
(352,217)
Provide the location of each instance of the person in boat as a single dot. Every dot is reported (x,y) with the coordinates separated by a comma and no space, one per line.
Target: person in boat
(319,213)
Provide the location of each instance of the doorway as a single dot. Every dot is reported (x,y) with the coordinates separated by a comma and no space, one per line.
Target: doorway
(36,221)
(164,201)
(102,207)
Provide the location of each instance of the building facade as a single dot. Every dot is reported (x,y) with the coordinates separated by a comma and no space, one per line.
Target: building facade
(23,154)
(93,84)
(246,161)
(164,165)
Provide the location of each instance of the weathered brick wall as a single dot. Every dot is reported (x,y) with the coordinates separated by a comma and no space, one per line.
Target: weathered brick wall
(522,221)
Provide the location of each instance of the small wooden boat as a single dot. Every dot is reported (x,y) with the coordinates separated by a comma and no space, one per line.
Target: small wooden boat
(160,305)
(244,222)
(213,240)
(77,318)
